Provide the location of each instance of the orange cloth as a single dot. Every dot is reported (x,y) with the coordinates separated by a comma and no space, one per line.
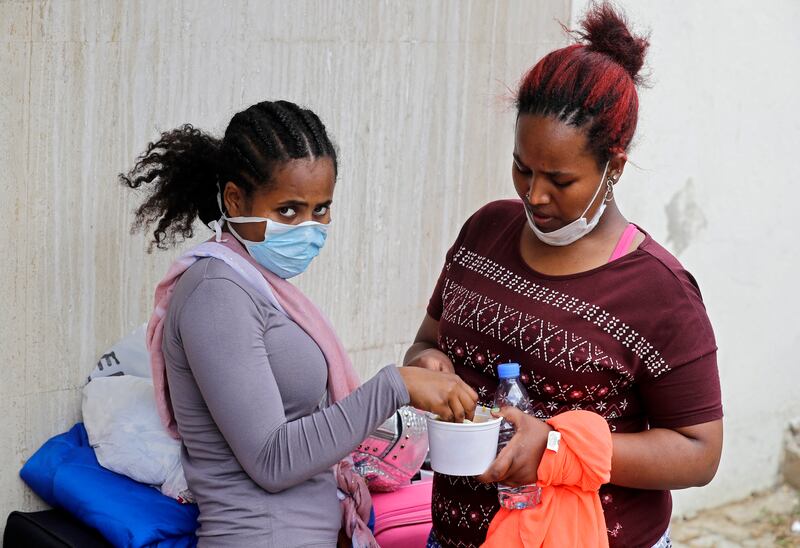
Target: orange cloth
(570,513)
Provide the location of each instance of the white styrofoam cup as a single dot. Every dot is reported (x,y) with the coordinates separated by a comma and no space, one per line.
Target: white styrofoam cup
(462,449)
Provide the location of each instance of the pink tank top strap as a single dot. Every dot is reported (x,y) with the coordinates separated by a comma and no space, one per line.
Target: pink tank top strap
(624,242)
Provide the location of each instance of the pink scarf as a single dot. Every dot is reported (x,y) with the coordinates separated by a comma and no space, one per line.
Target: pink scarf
(342,378)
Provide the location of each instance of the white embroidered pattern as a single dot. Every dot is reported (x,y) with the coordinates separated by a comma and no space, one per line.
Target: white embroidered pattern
(655,364)
(466,515)
(533,335)
(549,397)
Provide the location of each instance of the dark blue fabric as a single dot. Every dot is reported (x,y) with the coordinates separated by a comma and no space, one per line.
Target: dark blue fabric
(66,474)
(433,542)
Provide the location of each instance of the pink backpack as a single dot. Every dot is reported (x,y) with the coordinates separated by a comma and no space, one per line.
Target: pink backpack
(403,517)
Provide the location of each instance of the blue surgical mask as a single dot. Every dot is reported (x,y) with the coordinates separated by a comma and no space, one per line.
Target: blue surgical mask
(286,250)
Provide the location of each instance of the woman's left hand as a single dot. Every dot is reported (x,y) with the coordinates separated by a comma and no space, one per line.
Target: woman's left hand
(518,462)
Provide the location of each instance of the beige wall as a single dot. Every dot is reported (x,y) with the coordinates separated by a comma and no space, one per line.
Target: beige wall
(412,92)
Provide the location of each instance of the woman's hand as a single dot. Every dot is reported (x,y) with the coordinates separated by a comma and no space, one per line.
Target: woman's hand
(443,394)
(424,352)
(518,462)
(432,359)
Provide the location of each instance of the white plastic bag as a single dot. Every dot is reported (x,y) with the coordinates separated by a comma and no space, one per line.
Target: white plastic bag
(128,356)
(124,428)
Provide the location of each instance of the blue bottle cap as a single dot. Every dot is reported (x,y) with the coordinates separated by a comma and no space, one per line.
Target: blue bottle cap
(508,370)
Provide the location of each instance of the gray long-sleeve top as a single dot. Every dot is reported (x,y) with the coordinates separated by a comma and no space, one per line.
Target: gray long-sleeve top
(246,384)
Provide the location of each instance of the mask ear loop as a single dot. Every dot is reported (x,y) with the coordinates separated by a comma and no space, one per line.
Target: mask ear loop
(216,225)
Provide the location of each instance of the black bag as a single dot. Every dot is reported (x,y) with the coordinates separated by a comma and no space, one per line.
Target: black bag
(50,529)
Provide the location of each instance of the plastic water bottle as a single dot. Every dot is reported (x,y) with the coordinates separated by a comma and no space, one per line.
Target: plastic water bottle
(511,393)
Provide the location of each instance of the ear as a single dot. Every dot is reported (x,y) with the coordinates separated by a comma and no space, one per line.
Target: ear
(234,200)
(616,164)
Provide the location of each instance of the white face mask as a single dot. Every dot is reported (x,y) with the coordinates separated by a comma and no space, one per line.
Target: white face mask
(578,228)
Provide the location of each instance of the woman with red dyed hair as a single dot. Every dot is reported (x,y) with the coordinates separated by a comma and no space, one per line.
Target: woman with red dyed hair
(599,316)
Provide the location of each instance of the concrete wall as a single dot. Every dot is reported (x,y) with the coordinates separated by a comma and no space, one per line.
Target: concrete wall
(716,184)
(412,91)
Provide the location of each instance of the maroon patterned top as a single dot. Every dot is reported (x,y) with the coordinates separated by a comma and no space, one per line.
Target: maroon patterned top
(629,340)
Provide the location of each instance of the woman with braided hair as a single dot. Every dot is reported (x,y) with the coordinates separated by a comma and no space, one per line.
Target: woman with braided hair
(242,361)
(598,315)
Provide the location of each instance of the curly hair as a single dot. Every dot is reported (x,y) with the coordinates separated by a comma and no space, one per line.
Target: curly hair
(185,168)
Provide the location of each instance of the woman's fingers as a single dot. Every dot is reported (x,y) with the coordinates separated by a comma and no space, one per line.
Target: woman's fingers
(468,402)
(443,413)
(463,399)
(454,401)
(499,468)
(513,415)
(472,394)
(444,394)
(446,365)
(434,360)
(517,473)
(443,365)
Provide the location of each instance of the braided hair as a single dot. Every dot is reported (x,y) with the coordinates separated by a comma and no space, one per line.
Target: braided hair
(185,167)
(591,84)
